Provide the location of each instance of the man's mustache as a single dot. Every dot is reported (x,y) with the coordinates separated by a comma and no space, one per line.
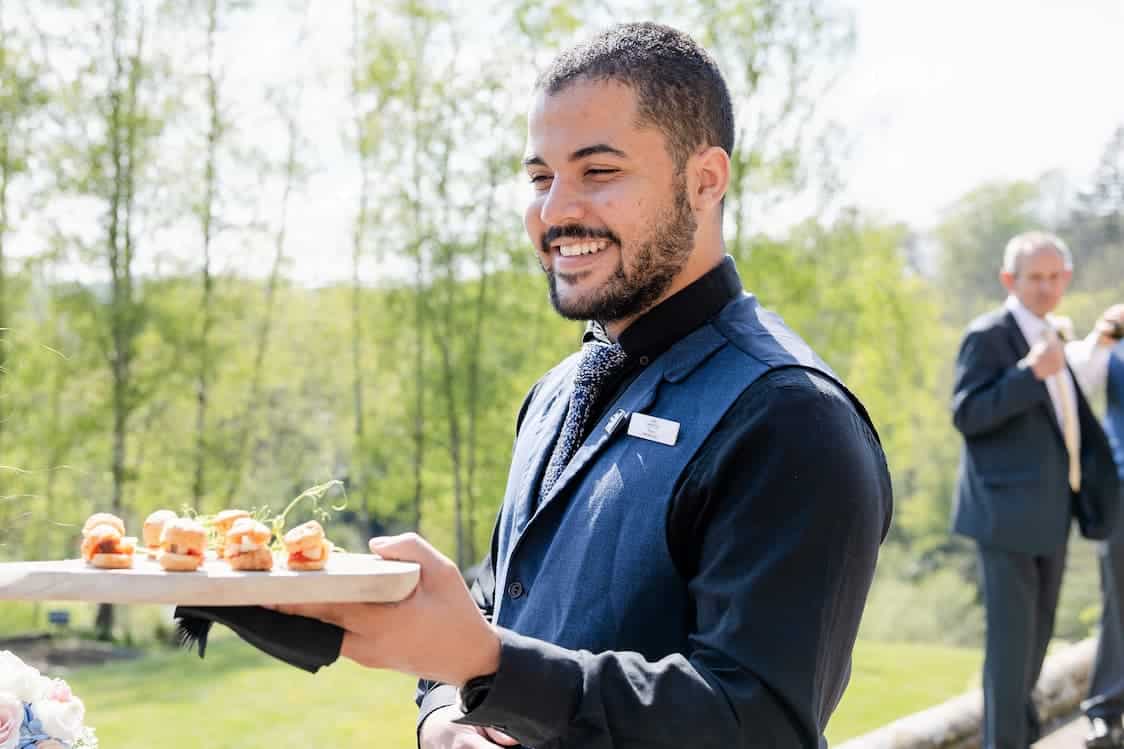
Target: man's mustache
(573,231)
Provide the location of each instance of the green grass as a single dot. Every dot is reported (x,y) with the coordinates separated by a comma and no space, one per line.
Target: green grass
(891,680)
(238,697)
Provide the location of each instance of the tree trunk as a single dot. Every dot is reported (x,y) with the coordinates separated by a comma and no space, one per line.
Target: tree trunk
(419,279)
(253,398)
(419,395)
(359,478)
(472,398)
(202,385)
(4,176)
(123,127)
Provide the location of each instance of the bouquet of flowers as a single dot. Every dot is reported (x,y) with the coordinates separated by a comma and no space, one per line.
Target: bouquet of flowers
(37,712)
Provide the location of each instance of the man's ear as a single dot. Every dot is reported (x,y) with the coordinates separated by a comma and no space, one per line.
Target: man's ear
(1007,279)
(708,178)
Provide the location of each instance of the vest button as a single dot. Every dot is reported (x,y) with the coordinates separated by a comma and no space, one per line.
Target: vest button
(515,590)
(643,361)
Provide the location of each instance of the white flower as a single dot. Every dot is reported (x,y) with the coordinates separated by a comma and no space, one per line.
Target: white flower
(11,718)
(61,720)
(20,679)
(88,740)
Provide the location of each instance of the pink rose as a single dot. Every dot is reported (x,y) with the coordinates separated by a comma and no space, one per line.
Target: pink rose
(49,744)
(59,691)
(11,718)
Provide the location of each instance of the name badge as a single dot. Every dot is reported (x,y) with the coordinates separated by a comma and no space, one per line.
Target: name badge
(653,428)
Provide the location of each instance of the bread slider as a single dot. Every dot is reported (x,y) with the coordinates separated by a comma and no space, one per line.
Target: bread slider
(247,546)
(103,518)
(154,526)
(103,546)
(182,543)
(225,519)
(307,547)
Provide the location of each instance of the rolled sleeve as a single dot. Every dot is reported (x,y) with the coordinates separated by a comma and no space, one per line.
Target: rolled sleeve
(536,690)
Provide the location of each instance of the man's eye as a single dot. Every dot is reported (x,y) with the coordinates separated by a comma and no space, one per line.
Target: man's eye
(600,172)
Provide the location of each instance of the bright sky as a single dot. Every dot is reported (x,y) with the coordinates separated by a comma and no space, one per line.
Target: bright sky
(945,95)
(939,96)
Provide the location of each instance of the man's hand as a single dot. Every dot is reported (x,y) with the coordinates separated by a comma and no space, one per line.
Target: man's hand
(1046,357)
(436,633)
(1111,321)
(438,731)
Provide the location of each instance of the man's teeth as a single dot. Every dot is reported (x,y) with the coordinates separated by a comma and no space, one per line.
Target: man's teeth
(583,248)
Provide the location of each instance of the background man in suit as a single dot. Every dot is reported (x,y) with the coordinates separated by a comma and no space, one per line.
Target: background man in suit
(1098,361)
(1025,425)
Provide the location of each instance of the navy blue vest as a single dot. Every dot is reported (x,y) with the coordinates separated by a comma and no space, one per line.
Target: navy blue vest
(1114,419)
(589,567)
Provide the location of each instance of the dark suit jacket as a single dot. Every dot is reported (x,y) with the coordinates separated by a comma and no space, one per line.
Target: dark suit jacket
(1013,490)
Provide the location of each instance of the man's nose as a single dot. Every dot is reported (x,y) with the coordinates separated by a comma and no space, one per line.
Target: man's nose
(561,205)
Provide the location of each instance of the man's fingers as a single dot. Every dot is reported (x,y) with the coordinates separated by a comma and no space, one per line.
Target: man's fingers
(327,612)
(408,547)
(352,649)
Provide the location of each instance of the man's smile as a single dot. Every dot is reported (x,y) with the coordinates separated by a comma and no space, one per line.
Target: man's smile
(569,257)
(570,248)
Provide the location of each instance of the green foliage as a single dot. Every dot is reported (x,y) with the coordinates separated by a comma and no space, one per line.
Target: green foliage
(847,290)
(972,235)
(908,603)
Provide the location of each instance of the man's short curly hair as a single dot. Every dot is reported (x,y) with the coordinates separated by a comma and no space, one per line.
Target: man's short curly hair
(679,88)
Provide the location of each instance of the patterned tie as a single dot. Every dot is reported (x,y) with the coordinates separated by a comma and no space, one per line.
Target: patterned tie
(598,363)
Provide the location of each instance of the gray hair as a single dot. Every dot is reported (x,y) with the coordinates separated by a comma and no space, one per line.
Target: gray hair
(1030,242)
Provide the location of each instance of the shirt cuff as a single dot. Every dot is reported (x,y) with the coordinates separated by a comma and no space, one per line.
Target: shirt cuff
(1089,360)
(440,696)
(536,691)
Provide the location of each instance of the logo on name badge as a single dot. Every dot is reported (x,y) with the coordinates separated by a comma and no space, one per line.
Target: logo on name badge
(653,428)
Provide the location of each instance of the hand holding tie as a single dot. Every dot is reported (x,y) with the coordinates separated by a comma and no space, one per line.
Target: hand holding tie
(1047,356)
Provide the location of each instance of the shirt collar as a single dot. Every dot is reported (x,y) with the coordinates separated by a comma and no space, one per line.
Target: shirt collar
(1030,325)
(657,329)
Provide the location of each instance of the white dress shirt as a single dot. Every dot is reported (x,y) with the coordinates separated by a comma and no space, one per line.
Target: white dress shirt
(1089,360)
(1061,385)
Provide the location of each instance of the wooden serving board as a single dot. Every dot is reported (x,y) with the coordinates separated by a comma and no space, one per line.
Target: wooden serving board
(347,578)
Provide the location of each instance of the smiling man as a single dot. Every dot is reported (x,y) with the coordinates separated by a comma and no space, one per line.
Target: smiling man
(695,502)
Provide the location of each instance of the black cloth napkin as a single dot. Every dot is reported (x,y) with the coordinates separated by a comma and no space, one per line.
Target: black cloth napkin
(306,643)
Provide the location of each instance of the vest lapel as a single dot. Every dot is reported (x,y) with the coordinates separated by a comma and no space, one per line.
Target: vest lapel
(639,395)
(546,427)
(678,362)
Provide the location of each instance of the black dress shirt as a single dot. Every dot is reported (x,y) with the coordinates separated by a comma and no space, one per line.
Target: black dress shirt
(794,463)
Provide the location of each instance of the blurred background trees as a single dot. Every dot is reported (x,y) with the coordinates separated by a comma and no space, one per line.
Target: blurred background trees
(157,348)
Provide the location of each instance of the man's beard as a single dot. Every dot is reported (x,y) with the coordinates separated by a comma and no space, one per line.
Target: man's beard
(656,261)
